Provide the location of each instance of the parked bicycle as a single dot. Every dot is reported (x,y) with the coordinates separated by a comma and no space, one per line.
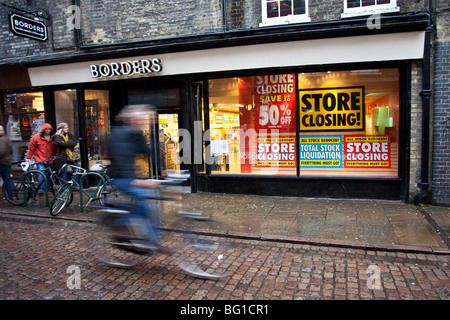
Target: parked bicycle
(26,187)
(100,187)
(108,191)
(64,196)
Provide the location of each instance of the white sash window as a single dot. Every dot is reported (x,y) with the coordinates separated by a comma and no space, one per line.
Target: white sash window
(275,12)
(354,8)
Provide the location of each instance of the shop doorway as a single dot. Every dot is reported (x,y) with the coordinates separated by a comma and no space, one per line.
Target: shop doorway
(162,134)
(97,126)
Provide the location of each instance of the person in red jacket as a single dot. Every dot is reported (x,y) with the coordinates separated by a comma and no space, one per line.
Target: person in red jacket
(42,147)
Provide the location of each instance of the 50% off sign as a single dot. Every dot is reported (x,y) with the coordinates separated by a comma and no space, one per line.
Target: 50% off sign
(275,116)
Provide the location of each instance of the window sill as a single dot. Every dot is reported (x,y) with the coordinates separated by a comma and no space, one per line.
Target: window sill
(356,12)
(285,20)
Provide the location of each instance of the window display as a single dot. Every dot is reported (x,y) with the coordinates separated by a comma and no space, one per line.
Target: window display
(23,117)
(252,122)
(348,124)
(66,110)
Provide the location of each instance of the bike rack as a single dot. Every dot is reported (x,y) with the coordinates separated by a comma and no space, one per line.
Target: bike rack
(25,191)
(81,185)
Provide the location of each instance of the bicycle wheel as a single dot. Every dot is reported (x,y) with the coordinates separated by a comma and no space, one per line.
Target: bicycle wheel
(107,244)
(62,197)
(58,183)
(16,197)
(109,191)
(30,180)
(199,255)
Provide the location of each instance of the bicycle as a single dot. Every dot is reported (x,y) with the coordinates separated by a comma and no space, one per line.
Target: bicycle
(200,258)
(64,196)
(108,191)
(26,187)
(101,188)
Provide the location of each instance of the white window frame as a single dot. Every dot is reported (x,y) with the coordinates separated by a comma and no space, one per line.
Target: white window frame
(300,18)
(370,10)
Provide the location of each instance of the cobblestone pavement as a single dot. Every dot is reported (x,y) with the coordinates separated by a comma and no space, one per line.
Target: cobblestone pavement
(42,259)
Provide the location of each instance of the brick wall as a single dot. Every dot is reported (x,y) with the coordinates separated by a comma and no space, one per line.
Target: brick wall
(60,37)
(118,21)
(440,181)
(109,22)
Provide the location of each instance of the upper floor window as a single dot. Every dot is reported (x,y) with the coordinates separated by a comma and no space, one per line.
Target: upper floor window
(368,7)
(284,11)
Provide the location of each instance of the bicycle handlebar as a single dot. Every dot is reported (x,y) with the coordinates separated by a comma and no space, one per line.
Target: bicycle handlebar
(73,166)
(26,164)
(44,161)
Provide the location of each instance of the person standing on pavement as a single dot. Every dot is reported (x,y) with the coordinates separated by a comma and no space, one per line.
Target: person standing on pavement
(66,143)
(6,156)
(42,147)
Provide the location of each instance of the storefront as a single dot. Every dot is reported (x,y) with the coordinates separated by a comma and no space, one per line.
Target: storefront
(328,117)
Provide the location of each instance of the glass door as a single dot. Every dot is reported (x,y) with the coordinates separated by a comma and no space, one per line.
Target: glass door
(168,141)
(97,125)
(162,133)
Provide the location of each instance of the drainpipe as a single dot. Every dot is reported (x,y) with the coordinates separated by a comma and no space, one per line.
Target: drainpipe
(426,97)
(77,31)
(224,15)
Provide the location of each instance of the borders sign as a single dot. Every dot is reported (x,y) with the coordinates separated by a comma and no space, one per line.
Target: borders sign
(27,27)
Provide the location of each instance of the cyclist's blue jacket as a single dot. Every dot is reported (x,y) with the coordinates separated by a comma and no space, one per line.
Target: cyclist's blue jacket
(124,144)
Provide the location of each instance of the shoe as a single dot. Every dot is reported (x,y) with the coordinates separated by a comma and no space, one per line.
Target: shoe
(156,248)
(164,250)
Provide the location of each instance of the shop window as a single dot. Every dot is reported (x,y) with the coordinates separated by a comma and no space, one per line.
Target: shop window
(368,7)
(349,123)
(66,110)
(23,117)
(97,125)
(276,12)
(252,125)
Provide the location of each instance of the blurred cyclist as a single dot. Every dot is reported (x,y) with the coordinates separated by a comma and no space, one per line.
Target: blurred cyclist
(125,143)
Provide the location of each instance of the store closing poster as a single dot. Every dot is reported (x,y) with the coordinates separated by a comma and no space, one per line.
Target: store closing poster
(274,119)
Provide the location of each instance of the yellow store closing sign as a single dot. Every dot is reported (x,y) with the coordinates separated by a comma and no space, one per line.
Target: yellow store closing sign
(331,109)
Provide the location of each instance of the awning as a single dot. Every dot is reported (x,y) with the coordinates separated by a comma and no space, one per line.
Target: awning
(354,49)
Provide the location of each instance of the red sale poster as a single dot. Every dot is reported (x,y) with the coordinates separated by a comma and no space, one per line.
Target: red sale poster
(275,103)
(268,116)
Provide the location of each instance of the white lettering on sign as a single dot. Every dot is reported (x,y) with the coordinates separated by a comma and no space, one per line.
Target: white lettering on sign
(126,68)
(26,27)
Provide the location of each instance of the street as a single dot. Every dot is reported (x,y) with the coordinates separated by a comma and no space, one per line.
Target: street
(49,259)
